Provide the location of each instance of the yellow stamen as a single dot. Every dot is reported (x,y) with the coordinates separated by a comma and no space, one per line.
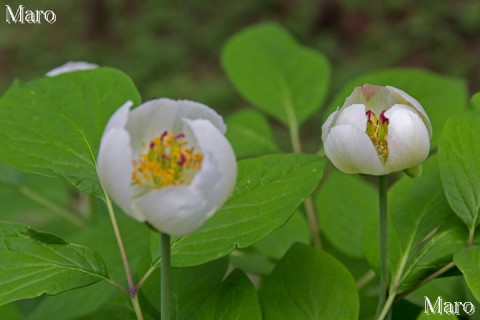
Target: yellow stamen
(166,161)
(377,130)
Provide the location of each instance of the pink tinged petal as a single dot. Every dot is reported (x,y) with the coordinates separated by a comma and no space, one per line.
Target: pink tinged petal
(375,98)
(176,210)
(354,115)
(352,151)
(114,169)
(327,125)
(219,154)
(70,67)
(408,138)
(415,104)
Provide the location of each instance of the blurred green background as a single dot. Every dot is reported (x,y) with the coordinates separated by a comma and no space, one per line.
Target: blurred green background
(172,48)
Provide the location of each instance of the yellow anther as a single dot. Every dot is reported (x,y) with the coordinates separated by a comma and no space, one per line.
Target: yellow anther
(165,162)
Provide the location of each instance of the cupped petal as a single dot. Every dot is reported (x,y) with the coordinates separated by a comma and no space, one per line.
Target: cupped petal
(176,210)
(70,67)
(152,118)
(352,151)
(114,169)
(408,138)
(119,118)
(213,143)
(375,98)
(353,115)
(327,125)
(415,104)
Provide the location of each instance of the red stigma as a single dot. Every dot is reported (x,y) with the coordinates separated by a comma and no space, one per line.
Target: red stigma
(164,134)
(182,160)
(179,136)
(383,118)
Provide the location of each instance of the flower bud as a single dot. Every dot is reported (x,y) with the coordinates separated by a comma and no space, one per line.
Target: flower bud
(377,131)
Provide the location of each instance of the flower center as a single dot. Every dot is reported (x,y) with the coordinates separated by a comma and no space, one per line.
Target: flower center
(167,161)
(377,130)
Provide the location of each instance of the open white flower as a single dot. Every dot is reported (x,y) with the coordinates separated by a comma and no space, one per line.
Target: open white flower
(377,131)
(167,163)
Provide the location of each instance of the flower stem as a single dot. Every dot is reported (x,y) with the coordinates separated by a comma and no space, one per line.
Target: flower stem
(382,197)
(308,204)
(136,307)
(121,247)
(52,206)
(165,277)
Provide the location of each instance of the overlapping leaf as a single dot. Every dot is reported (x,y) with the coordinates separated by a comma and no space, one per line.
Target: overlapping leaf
(274,73)
(268,191)
(33,263)
(52,126)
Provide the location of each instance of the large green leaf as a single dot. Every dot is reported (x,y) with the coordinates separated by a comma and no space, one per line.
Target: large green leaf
(268,191)
(423,231)
(440,96)
(52,126)
(468,261)
(308,284)
(344,203)
(33,263)
(459,159)
(101,238)
(235,299)
(250,134)
(274,73)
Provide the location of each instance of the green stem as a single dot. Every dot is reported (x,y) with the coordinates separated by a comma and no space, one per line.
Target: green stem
(385,312)
(382,197)
(308,204)
(165,277)
(118,237)
(52,206)
(136,307)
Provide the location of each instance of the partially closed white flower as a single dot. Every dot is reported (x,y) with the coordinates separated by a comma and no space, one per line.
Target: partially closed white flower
(167,163)
(377,131)
(71,66)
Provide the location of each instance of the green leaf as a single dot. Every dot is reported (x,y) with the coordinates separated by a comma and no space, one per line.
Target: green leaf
(309,284)
(9,312)
(459,158)
(476,100)
(344,203)
(468,261)
(235,299)
(101,238)
(52,126)
(33,263)
(274,73)
(277,243)
(440,96)
(250,134)
(262,201)
(423,231)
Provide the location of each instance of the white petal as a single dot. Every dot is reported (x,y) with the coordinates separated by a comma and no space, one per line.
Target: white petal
(119,119)
(353,115)
(352,151)
(114,169)
(176,210)
(416,105)
(328,123)
(211,141)
(70,67)
(152,118)
(408,138)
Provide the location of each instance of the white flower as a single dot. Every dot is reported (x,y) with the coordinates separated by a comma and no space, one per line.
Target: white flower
(167,163)
(377,131)
(70,67)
